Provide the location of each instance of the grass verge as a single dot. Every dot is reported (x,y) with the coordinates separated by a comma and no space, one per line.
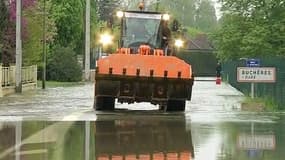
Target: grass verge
(259,104)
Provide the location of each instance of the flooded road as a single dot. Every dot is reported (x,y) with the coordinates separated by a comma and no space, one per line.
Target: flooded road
(60,124)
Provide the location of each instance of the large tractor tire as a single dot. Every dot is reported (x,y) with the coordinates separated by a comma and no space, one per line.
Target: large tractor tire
(104,103)
(175,105)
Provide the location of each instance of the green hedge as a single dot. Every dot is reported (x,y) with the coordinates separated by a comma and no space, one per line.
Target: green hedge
(63,66)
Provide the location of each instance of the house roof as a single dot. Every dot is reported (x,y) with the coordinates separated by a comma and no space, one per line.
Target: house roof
(200,42)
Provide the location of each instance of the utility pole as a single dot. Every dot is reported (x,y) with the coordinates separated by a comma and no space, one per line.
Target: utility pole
(18,139)
(87,140)
(18,46)
(44,47)
(87,41)
(183,16)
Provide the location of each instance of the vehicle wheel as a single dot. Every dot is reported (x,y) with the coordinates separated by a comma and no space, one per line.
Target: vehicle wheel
(104,103)
(175,105)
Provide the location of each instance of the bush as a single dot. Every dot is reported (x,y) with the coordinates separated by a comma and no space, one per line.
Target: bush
(63,66)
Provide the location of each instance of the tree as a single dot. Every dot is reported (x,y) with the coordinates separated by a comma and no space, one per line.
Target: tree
(182,10)
(3,18)
(33,45)
(26,4)
(205,17)
(107,8)
(199,14)
(9,35)
(95,24)
(193,32)
(3,24)
(226,39)
(69,19)
(251,29)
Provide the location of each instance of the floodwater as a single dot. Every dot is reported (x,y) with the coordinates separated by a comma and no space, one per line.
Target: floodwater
(60,124)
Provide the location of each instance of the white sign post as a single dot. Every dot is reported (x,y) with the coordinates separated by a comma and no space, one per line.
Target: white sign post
(256,75)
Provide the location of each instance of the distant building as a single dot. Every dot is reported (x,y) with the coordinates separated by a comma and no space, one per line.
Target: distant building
(199,52)
(200,43)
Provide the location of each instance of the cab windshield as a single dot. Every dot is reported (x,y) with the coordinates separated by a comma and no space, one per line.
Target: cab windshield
(140,29)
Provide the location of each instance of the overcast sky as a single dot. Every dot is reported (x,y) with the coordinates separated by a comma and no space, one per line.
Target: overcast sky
(217,7)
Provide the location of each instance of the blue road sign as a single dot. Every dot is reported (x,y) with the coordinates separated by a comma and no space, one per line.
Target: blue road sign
(253,62)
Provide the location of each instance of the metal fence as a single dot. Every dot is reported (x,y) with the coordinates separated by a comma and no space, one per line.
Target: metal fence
(29,75)
(8,76)
(275,91)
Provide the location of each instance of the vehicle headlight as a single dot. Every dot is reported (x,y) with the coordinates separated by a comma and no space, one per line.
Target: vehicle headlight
(120,14)
(179,43)
(165,17)
(106,39)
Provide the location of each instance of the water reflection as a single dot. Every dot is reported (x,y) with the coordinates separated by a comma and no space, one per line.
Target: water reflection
(239,140)
(134,137)
(145,138)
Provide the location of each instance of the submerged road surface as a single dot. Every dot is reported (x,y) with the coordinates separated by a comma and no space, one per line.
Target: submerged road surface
(76,103)
(60,123)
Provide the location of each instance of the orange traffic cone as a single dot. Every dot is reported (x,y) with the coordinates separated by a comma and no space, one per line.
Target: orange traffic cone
(218,80)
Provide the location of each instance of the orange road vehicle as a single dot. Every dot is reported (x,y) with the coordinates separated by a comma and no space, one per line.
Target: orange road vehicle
(143,69)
